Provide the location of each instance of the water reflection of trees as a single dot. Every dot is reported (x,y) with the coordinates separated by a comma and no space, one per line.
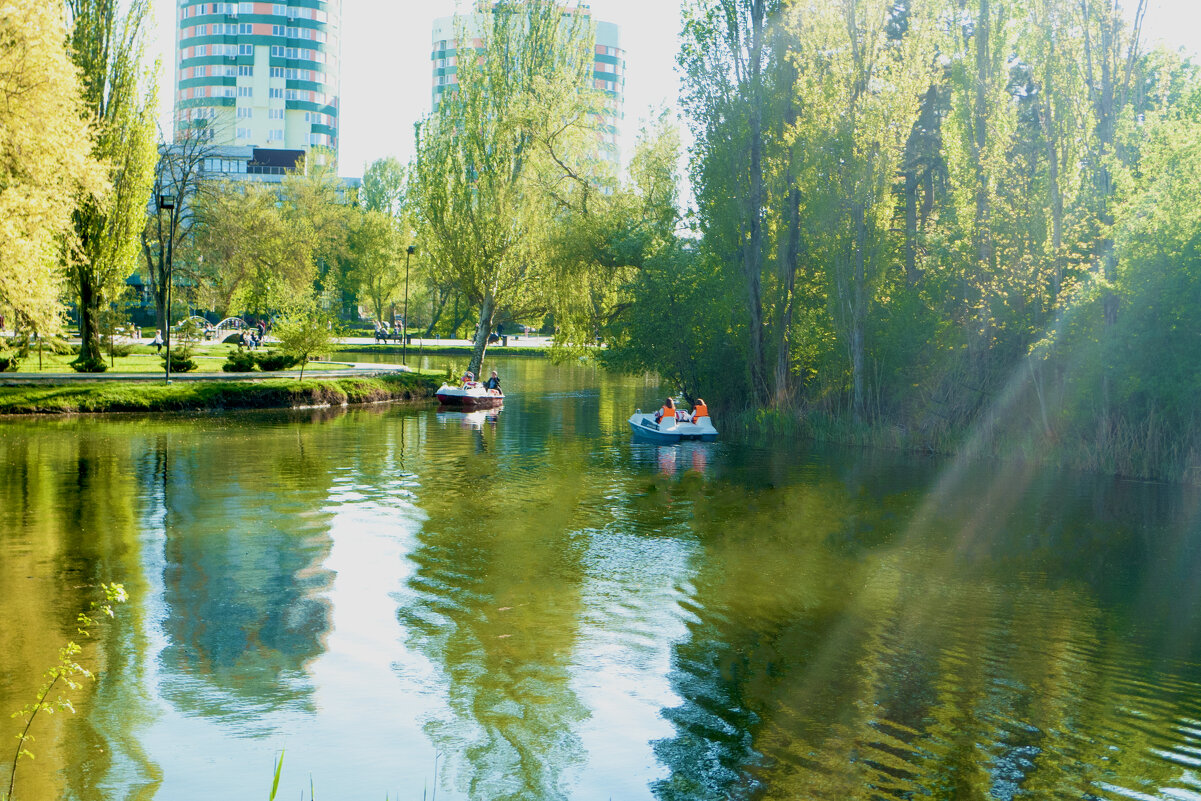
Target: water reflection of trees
(945,651)
(495,604)
(69,523)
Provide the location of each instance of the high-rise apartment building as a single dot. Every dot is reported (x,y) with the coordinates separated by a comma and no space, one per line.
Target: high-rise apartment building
(609,65)
(260,78)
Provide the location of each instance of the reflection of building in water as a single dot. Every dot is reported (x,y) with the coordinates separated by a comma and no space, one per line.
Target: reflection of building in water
(247,605)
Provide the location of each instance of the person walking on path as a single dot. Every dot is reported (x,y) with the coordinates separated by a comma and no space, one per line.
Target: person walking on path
(158,341)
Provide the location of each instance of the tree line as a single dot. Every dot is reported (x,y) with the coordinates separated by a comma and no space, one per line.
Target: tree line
(940,217)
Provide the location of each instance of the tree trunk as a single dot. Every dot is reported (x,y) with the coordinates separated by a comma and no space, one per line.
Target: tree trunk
(437,304)
(791,266)
(984,244)
(858,311)
(480,347)
(1052,135)
(90,352)
(752,260)
(911,273)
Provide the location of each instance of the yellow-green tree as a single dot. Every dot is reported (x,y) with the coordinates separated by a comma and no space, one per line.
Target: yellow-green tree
(45,162)
(268,248)
(107,44)
(521,121)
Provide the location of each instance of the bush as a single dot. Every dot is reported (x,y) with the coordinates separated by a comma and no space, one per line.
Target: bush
(274,360)
(233,339)
(121,349)
(181,361)
(81,365)
(9,359)
(239,361)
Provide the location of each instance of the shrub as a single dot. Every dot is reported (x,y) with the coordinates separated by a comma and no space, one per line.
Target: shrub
(274,360)
(181,361)
(121,349)
(9,359)
(81,365)
(239,361)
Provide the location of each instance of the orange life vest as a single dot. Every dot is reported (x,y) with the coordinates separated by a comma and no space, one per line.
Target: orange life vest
(699,411)
(667,413)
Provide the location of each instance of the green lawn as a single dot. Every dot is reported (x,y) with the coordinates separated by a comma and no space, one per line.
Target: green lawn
(209,359)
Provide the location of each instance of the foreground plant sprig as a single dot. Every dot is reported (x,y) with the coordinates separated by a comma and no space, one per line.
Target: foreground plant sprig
(67,676)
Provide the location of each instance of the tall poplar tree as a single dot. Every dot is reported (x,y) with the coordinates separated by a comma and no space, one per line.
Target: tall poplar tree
(107,43)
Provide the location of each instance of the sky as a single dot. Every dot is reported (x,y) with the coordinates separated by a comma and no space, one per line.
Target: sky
(386,64)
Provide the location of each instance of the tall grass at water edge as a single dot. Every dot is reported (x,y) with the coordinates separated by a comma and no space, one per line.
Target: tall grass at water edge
(1147,448)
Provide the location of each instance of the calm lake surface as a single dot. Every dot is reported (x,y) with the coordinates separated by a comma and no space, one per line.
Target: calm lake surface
(528,605)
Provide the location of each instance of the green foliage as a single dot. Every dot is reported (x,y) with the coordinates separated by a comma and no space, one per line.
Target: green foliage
(240,361)
(678,325)
(272,360)
(46,165)
(63,678)
(306,333)
(107,44)
(279,767)
(504,153)
(384,187)
(181,360)
(270,247)
(9,361)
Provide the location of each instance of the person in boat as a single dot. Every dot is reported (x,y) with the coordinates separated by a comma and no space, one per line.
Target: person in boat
(668,411)
(699,411)
(468,380)
(493,383)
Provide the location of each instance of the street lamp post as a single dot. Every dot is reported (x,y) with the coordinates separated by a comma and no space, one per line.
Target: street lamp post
(404,352)
(167,203)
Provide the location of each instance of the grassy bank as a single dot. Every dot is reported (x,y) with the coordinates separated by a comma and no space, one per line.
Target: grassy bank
(275,393)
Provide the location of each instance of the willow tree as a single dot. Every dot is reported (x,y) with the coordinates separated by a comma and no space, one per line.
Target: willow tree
(107,43)
(520,116)
(45,160)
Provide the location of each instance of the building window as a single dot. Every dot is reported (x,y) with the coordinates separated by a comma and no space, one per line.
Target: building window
(246,71)
(243,133)
(245,50)
(245,28)
(245,113)
(279,9)
(275,135)
(278,30)
(275,94)
(275,113)
(245,91)
(277,72)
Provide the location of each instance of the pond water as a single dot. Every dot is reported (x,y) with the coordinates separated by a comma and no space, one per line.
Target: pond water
(529,605)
